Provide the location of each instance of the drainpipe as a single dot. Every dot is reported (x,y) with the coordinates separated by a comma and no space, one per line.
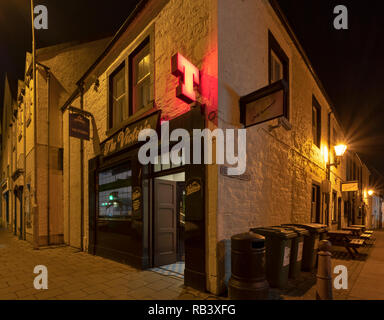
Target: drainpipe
(25,168)
(81,87)
(328,198)
(48,157)
(35,205)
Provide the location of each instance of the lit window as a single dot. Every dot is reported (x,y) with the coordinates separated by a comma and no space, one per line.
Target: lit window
(115,193)
(276,68)
(316,122)
(140,77)
(118,103)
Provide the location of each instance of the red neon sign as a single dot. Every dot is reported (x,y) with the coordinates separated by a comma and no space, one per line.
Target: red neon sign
(189,78)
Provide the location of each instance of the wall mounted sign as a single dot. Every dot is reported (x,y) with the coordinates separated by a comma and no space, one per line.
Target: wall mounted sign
(193,186)
(224,172)
(128,136)
(265,104)
(136,199)
(350,186)
(189,78)
(79,126)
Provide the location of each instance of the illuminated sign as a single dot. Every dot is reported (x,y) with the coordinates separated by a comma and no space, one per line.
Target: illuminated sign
(350,186)
(189,78)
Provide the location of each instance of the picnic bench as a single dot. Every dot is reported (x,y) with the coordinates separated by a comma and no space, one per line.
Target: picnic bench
(342,238)
(355,231)
(361,226)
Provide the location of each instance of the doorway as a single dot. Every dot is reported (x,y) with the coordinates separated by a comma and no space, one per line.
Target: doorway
(169,224)
(6,209)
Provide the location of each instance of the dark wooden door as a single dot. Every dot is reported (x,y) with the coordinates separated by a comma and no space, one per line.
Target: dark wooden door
(165,228)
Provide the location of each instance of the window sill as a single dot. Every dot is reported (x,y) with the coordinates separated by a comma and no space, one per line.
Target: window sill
(131,119)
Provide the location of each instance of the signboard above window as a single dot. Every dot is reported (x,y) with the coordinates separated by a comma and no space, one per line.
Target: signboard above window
(128,136)
(350,186)
(265,104)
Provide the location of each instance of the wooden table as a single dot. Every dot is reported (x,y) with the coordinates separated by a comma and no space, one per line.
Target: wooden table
(342,238)
(355,230)
(361,226)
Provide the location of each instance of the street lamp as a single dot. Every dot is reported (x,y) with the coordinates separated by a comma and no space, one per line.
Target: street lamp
(370,192)
(339,151)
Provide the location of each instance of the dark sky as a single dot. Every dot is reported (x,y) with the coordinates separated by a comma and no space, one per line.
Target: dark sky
(349,63)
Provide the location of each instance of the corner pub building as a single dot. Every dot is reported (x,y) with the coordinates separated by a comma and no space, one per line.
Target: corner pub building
(190,62)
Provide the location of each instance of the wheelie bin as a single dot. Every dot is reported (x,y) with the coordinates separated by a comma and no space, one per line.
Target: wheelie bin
(311,244)
(278,243)
(297,250)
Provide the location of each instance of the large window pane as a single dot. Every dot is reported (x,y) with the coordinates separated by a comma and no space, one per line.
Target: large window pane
(115,192)
(141,78)
(118,101)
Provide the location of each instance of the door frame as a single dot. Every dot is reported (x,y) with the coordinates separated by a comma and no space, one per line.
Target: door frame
(152,207)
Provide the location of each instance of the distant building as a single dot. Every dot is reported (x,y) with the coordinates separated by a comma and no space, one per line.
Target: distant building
(34,208)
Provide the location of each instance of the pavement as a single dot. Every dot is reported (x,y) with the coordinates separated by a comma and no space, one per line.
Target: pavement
(76,275)
(370,283)
(365,275)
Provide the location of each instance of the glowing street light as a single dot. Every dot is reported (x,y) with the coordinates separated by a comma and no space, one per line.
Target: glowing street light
(340,150)
(370,192)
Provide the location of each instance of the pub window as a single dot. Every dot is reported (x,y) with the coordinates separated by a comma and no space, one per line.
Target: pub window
(276,68)
(115,192)
(278,61)
(316,122)
(118,110)
(140,77)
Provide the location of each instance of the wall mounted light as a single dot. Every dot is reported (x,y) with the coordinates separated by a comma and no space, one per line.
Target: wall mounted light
(339,151)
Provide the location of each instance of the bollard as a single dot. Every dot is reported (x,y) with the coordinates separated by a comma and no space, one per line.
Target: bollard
(324,273)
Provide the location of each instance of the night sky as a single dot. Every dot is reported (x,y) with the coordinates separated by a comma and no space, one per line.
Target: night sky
(349,62)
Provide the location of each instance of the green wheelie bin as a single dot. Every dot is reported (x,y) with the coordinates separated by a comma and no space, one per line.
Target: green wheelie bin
(297,250)
(311,244)
(324,228)
(278,243)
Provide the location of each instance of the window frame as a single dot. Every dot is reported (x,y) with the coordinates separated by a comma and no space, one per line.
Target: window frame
(317,106)
(126,53)
(317,218)
(143,44)
(112,167)
(274,46)
(118,69)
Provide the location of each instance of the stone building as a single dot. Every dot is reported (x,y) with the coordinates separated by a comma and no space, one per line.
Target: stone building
(190,64)
(32,198)
(287,178)
(7,137)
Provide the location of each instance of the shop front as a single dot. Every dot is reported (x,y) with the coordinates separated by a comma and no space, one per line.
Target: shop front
(148,215)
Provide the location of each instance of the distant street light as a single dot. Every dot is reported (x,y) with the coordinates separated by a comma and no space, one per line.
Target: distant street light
(370,192)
